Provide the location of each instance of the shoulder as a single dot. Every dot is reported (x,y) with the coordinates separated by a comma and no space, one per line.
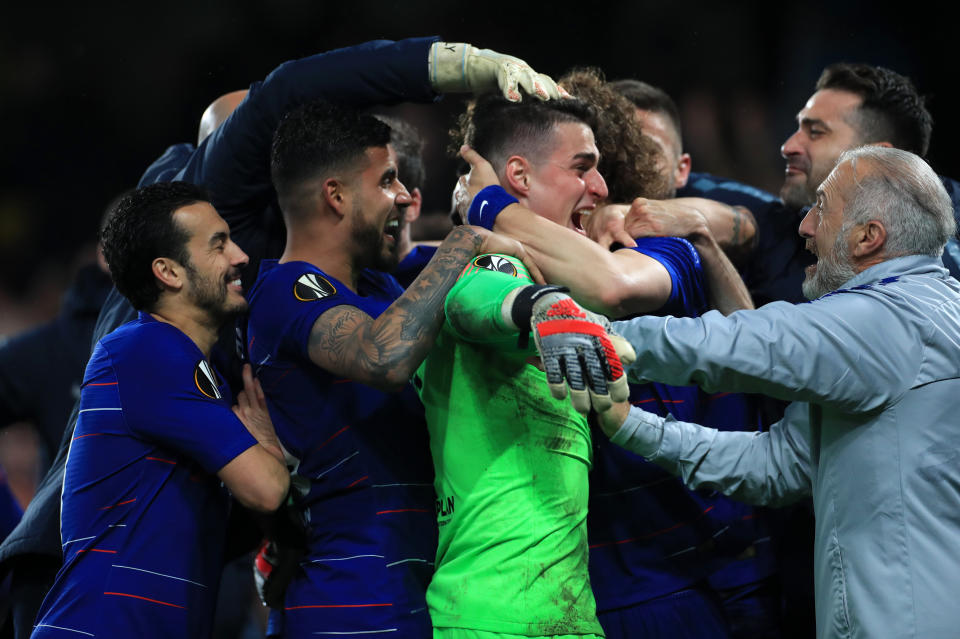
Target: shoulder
(294,282)
(727,191)
(168,165)
(151,351)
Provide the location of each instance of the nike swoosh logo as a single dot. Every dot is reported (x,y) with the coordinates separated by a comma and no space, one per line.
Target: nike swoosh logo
(482,204)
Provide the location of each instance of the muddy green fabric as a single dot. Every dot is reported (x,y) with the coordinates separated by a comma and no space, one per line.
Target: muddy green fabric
(511,474)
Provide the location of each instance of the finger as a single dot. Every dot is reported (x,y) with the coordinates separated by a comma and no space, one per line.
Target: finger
(550,87)
(243,401)
(619,389)
(532,267)
(472,157)
(528,81)
(559,391)
(247,375)
(600,402)
(258,392)
(624,238)
(580,400)
(507,78)
(236,411)
(624,349)
(564,93)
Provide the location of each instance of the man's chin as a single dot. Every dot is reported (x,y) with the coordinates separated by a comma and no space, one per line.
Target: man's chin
(796,195)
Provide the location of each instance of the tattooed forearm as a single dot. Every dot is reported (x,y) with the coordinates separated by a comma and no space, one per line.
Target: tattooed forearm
(385,352)
(737,215)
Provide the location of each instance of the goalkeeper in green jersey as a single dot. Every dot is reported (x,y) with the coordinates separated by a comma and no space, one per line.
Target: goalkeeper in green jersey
(511,460)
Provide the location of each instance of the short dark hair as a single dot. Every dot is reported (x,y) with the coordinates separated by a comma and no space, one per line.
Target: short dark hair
(497,128)
(892,110)
(650,98)
(140,228)
(408,144)
(316,139)
(629,160)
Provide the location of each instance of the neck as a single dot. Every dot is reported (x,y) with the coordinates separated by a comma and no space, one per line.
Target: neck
(192,322)
(326,246)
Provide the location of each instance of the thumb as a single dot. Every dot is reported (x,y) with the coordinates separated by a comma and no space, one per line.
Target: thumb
(472,157)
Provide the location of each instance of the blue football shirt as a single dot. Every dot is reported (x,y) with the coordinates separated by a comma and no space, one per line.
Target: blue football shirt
(143,514)
(365,454)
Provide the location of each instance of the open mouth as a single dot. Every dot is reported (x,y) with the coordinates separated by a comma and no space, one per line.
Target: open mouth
(576,220)
(392,229)
(234,283)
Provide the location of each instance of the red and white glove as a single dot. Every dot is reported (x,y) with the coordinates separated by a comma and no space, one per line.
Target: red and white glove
(579,350)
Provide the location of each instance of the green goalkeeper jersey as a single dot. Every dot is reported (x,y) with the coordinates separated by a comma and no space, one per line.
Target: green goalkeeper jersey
(511,473)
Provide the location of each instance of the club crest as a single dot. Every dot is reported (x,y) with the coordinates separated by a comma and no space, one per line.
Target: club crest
(311,287)
(496,263)
(207,380)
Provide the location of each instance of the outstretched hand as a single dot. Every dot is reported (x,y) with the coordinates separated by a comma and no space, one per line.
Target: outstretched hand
(460,67)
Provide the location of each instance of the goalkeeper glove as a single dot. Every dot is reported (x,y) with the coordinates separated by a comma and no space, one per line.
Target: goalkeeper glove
(578,348)
(457,67)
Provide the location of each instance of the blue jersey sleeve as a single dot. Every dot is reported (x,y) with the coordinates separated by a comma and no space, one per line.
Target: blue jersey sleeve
(178,400)
(295,294)
(688,296)
(233,163)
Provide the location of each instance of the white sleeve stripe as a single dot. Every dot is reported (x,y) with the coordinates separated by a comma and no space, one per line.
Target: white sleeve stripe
(159,574)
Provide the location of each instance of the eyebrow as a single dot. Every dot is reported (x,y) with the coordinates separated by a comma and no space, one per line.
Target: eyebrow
(219,236)
(585,155)
(807,121)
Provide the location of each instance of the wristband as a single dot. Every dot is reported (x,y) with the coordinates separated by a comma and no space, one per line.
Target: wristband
(487,205)
(522,309)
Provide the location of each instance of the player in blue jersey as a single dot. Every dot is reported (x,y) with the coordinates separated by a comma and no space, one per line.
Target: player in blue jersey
(233,165)
(144,510)
(733,557)
(335,341)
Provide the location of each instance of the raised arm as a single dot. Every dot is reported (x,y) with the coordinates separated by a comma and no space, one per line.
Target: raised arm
(385,352)
(769,468)
(675,218)
(771,351)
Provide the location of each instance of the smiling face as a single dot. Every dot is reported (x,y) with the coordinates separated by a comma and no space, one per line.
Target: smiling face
(825,131)
(212,282)
(565,181)
(378,202)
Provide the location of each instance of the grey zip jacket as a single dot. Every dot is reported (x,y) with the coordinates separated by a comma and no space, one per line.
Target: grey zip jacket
(873,434)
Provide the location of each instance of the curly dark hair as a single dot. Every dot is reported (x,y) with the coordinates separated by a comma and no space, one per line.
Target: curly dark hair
(140,228)
(630,162)
(316,139)
(892,110)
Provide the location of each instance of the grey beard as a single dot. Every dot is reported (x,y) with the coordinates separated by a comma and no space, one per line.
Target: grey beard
(833,270)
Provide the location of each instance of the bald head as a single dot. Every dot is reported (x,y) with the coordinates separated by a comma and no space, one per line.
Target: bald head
(218,111)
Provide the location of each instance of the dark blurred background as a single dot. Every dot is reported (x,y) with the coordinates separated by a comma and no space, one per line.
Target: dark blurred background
(91,93)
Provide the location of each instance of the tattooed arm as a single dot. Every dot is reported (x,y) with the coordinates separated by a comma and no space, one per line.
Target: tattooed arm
(385,352)
(733,227)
